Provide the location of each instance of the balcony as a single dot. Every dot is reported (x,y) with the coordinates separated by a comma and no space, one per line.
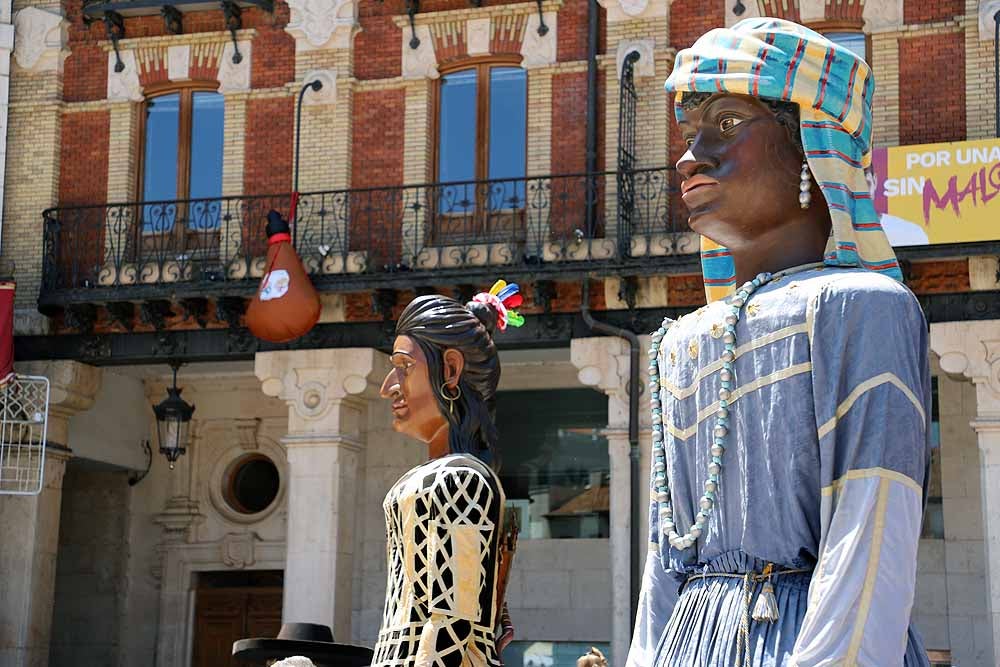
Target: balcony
(411,235)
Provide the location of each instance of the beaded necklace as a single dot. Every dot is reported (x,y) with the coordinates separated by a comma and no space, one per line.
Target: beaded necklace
(719,432)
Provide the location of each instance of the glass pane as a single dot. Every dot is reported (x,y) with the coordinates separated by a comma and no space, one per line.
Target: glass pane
(508,135)
(551,654)
(207,116)
(555,461)
(457,140)
(159,181)
(855,41)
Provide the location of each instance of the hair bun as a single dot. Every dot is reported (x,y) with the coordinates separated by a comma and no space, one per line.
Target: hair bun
(486,314)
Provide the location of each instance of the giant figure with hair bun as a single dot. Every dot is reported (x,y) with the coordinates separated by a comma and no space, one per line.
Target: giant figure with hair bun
(449,542)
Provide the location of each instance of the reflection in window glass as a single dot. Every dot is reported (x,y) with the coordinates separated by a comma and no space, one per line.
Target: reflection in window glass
(555,469)
(457,122)
(933,527)
(508,128)
(550,654)
(855,41)
(207,116)
(160,160)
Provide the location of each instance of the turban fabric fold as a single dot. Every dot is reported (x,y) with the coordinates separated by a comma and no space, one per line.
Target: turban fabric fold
(775,59)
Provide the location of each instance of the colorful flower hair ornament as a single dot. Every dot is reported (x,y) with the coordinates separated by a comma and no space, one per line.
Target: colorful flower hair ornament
(503,297)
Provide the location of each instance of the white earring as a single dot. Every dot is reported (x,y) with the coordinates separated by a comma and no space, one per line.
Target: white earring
(805,184)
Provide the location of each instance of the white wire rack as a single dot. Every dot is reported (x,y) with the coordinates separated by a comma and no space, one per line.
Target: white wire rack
(24,419)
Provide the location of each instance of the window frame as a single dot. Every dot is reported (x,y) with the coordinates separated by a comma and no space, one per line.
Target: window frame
(482,65)
(842,26)
(185,124)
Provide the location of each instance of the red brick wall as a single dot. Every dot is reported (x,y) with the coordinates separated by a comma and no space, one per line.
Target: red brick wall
(690,19)
(83,158)
(273,61)
(269,141)
(932,103)
(379,40)
(86,73)
(924,11)
(377,161)
(572,32)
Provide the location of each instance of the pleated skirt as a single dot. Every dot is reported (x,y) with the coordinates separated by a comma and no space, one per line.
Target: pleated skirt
(704,629)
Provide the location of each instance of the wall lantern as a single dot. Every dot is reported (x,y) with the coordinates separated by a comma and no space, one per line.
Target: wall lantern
(173,419)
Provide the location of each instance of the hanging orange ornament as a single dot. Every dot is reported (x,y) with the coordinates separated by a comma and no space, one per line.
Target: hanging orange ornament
(286,305)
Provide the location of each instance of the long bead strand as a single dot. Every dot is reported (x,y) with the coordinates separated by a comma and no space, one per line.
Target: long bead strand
(720,432)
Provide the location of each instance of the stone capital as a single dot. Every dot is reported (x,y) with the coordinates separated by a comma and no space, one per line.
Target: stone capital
(421,62)
(972,350)
(124,86)
(325,95)
(987,26)
(645,66)
(603,364)
(72,388)
(40,40)
(234,77)
(632,10)
(322,24)
(539,50)
(325,389)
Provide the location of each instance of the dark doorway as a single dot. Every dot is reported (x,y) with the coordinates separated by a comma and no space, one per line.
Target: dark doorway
(231,606)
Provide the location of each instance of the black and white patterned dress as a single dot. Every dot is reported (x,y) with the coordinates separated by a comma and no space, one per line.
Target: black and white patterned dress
(443,523)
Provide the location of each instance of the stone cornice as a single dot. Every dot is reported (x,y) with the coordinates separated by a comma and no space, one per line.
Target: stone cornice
(432,18)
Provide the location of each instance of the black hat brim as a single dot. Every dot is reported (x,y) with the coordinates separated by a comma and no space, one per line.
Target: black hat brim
(324,654)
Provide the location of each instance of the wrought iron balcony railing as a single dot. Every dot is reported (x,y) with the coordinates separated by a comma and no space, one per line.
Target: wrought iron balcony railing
(441,227)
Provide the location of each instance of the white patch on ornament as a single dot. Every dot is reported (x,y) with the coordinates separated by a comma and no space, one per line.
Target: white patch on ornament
(276,284)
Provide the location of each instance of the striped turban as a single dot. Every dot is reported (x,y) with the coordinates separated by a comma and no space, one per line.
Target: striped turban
(773,59)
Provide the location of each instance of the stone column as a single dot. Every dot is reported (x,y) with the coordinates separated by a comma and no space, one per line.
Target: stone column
(34,127)
(603,364)
(30,524)
(327,393)
(972,350)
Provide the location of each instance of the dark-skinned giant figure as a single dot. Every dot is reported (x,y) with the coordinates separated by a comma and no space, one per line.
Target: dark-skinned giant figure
(790,414)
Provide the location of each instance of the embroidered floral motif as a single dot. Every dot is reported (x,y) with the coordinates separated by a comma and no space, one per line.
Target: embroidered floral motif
(717,330)
(693,349)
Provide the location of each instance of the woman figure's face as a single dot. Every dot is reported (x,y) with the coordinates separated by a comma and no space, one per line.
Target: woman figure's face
(740,172)
(415,410)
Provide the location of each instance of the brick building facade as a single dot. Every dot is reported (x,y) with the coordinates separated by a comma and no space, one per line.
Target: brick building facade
(111,287)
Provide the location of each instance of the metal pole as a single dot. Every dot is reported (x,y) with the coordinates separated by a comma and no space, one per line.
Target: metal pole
(635,574)
(293,214)
(591,158)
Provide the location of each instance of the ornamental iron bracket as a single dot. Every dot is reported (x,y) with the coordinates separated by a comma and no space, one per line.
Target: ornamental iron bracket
(234,22)
(172,19)
(542,28)
(628,290)
(545,292)
(196,308)
(155,313)
(412,7)
(739,8)
(122,313)
(115,25)
(230,309)
(383,302)
(81,316)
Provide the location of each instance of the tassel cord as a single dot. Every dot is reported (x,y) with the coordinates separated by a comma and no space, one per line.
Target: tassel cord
(765,610)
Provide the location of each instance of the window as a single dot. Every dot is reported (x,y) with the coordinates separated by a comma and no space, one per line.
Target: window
(555,465)
(182,159)
(550,654)
(481,135)
(855,41)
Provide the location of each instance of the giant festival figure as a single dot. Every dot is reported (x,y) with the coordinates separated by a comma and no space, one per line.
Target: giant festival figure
(790,414)
(449,544)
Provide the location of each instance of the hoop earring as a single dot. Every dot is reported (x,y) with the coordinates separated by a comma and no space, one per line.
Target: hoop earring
(805,185)
(451,399)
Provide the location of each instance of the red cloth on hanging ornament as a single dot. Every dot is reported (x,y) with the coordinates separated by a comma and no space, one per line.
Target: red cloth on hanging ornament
(286,305)
(6,330)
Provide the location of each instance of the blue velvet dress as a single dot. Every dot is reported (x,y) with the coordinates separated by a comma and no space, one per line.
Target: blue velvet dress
(824,471)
